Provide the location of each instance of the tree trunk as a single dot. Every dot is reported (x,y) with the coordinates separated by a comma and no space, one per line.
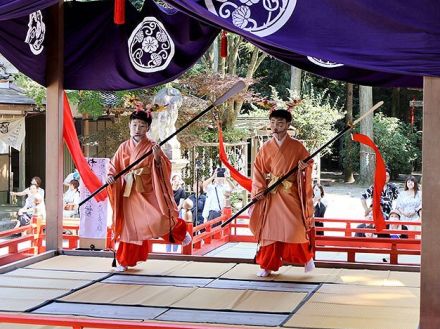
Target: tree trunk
(395,102)
(295,80)
(367,160)
(233,108)
(348,168)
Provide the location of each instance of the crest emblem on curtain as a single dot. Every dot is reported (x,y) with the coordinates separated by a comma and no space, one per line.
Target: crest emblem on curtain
(323,63)
(164,7)
(150,46)
(36,32)
(260,17)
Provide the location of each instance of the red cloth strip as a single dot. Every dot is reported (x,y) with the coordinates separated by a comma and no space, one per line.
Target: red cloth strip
(379,180)
(242,180)
(91,181)
(119,14)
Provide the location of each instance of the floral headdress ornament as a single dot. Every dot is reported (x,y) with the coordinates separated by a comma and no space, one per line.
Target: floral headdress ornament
(148,108)
(294,103)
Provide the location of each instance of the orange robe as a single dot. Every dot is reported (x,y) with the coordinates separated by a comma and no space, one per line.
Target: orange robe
(146,209)
(278,221)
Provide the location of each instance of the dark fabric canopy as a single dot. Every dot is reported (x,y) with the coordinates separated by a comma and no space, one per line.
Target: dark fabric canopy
(385,43)
(154,46)
(10,9)
(369,42)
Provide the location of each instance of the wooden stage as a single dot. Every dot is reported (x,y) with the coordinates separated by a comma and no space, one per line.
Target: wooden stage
(164,293)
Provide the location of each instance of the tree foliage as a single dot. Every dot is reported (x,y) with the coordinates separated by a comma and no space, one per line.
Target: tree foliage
(32,89)
(397,143)
(313,118)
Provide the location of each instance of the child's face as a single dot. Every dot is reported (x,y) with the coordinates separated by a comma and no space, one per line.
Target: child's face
(138,129)
(394,217)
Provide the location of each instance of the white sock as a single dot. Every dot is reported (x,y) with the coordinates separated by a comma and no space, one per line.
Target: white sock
(120,268)
(310,266)
(263,273)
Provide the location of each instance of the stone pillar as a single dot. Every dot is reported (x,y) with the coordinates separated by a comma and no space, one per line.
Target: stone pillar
(164,124)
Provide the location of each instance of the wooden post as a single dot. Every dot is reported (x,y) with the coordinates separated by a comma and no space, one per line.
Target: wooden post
(54,127)
(430,264)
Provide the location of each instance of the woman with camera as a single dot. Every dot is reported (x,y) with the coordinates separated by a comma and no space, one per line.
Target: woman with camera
(215,187)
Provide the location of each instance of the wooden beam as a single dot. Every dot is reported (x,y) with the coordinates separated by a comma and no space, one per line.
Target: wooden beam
(430,264)
(54,127)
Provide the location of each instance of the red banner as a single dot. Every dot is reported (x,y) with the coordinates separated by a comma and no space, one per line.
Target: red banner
(379,180)
(91,181)
(242,180)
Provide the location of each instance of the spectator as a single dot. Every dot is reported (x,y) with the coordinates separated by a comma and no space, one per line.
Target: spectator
(71,176)
(319,204)
(409,201)
(215,188)
(186,210)
(389,194)
(25,213)
(369,216)
(34,181)
(179,196)
(395,216)
(71,200)
(198,199)
(178,191)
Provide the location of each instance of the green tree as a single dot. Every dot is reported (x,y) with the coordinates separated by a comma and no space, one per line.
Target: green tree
(314,117)
(397,142)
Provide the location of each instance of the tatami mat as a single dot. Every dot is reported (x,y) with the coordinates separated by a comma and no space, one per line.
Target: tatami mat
(367,295)
(158,280)
(286,273)
(219,317)
(41,283)
(343,316)
(123,294)
(21,299)
(181,268)
(102,311)
(183,297)
(241,300)
(75,263)
(407,279)
(262,285)
(53,274)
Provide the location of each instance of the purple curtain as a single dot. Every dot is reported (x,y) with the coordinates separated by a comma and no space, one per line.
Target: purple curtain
(10,9)
(155,46)
(390,43)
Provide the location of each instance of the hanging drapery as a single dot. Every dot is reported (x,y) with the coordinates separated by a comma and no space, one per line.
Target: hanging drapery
(91,181)
(391,43)
(379,180)
(242,180)
(153,47)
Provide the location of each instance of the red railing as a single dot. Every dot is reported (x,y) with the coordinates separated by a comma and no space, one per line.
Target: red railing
(339,236)
(79,323)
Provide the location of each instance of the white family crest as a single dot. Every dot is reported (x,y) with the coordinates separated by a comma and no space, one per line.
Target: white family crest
(165,7)
(150,46)
(260,17)
(36,32)
(323,63)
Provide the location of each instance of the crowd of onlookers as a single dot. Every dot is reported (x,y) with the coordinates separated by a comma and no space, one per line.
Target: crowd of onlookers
(397,205)
(34,204)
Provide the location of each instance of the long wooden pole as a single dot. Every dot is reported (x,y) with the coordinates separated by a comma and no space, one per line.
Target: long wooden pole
(281,179)
(234,90)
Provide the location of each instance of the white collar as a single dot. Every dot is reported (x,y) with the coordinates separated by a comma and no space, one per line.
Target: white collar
(280,142)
